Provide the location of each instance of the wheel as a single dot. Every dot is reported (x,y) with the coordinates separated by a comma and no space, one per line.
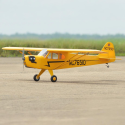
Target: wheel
(53,78)
(35,79)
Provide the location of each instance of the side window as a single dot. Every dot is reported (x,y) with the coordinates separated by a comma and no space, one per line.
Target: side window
(49,56)
(61,56)
(55,56)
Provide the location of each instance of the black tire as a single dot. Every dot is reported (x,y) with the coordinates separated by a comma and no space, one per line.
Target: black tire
(35,79)
(53,78)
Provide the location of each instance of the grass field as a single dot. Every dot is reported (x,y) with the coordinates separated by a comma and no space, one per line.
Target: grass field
(60,43)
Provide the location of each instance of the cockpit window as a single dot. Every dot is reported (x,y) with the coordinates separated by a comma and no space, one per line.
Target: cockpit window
(49,56)
(43,53)
(55,56)
(61,56)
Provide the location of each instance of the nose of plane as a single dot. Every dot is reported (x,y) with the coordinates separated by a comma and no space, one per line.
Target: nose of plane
(29,61)
(33,61)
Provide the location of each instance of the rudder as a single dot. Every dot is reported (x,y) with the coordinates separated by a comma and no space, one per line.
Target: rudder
(109,48)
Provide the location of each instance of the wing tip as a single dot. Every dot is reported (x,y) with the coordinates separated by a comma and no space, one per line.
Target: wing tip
(4,48)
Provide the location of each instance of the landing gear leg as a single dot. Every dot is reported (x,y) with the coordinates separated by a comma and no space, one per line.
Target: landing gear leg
(53,77)
(37,76)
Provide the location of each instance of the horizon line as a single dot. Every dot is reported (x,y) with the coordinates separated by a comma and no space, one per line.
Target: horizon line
(61,33)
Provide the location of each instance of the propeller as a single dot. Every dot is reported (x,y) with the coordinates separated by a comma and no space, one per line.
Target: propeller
(23,58)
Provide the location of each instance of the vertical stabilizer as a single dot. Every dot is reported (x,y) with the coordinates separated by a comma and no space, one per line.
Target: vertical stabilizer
(109,48)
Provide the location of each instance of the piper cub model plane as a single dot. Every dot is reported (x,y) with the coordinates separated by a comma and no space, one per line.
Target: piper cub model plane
(53,59)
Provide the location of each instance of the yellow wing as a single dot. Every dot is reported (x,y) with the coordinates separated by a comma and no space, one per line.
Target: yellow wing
(21,48)
(89,51)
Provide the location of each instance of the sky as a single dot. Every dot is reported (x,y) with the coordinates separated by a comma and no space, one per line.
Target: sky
(62,16)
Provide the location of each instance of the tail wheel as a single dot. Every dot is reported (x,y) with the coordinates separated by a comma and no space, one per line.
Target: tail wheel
(53,78)
(35,78)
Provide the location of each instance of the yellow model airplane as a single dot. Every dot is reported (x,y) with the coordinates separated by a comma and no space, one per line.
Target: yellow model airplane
(53,59)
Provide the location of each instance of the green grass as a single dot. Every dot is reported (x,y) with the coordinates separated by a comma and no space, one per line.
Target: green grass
(119,45)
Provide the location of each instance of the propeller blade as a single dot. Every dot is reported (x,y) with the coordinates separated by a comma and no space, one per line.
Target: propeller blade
(23,54)
(23,58)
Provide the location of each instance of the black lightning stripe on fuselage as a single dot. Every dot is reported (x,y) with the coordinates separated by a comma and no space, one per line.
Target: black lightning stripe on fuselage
(66,61)
(53,62)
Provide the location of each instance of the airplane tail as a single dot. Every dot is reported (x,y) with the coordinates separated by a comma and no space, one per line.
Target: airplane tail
(110,52)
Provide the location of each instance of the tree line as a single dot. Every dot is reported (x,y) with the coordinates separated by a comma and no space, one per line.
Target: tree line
(60,36)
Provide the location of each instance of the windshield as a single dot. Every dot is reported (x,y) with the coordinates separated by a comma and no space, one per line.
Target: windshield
(43,52)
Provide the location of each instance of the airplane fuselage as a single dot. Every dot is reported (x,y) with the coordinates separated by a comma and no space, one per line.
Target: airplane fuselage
(71,61)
